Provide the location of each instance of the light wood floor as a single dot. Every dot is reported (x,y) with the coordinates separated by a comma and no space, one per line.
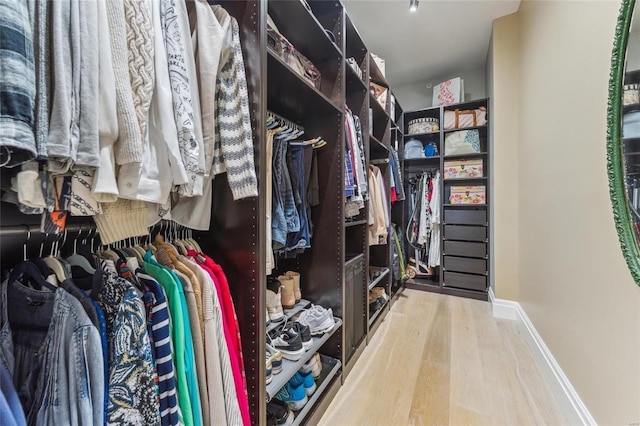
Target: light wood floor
(444,360)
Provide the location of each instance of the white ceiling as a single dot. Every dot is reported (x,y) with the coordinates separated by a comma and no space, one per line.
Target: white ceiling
(442,37)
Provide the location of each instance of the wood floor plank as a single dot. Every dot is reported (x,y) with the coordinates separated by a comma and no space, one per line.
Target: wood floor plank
(439,360)
(430,404)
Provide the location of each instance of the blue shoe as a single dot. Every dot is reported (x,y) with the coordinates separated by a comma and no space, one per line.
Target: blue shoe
(294,396)
(306,380)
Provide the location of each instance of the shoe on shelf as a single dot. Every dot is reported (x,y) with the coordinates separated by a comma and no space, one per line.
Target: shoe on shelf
(274,304)
(294,396)
(374,302)
(303,331)
(313,366)
(269,370)
(306,380)
(288,297)
(289,343)
(279,413)
(296,284)
(275,356)
(319,319)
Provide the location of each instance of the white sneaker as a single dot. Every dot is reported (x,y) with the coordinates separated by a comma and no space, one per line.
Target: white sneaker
(318,319)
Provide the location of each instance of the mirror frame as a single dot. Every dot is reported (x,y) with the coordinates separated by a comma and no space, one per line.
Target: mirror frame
(621,213)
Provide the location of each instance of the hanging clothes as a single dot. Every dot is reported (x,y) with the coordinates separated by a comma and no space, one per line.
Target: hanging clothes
(434,208)
(55,323)
(144,101)
(378,208)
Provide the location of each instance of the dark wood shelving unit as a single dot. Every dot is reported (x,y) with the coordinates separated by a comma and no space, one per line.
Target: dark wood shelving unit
(466,179)
(466,128)
(465,242)
(462,156)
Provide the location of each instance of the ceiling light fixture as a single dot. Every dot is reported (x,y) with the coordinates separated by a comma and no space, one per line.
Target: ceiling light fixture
(413,5)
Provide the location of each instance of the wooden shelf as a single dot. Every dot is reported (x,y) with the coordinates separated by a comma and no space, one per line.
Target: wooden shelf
(376,314)
(422,135)
(304,31)
(376,281)
(375,74)
(330,369)
(286,89)
(412,161)
(354,83)
(466,128)
(290,368)
(377,148)
(379,161)
(379,113)
(450,180)
(475,154)
(355,223)
(464,205)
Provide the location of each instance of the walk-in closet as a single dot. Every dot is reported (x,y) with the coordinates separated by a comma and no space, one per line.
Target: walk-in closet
(301,212)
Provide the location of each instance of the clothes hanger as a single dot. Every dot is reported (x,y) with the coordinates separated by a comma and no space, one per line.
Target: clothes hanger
(53,263)
(76,259)
(27,273)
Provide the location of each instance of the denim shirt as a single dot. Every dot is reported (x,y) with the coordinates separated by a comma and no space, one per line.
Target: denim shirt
(63,382)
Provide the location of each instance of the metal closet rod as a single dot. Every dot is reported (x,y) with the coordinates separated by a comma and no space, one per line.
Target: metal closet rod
(18,230)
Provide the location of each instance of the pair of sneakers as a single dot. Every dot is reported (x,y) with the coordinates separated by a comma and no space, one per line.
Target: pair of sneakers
(279,413)
(318,319)
(313,366)
(297,391)
(274,362)
(293,341)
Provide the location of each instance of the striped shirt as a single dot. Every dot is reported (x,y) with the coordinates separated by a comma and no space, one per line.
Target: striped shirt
(162,350)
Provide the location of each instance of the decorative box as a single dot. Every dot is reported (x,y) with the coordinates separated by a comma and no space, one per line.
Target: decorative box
(468,195)
(424,125)
(380,63)
(379,93)
(448,92)
(462,142)
(458,169)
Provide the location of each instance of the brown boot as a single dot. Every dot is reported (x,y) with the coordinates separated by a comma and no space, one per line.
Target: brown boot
(288,298)
(296,284)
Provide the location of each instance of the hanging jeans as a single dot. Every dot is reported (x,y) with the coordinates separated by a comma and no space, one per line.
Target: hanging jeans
(300,239)
(285,216)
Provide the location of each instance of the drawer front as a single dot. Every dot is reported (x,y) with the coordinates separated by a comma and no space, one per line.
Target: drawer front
(459,248)
(469,282)
(462,264)
(465,233)
(461,216)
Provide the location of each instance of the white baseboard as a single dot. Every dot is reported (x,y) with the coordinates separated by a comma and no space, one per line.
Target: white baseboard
(503,308)
(568,399)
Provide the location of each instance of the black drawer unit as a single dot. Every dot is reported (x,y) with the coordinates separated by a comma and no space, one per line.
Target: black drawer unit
(465,233)
(463,264)
(465,217)
(462,248)
(466,281)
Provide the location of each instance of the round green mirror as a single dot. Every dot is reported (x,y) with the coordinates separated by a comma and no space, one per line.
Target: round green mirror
(623,134)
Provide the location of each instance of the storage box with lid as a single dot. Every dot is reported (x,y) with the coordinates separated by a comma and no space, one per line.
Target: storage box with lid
(424,125)
(458,169)
(468,195)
